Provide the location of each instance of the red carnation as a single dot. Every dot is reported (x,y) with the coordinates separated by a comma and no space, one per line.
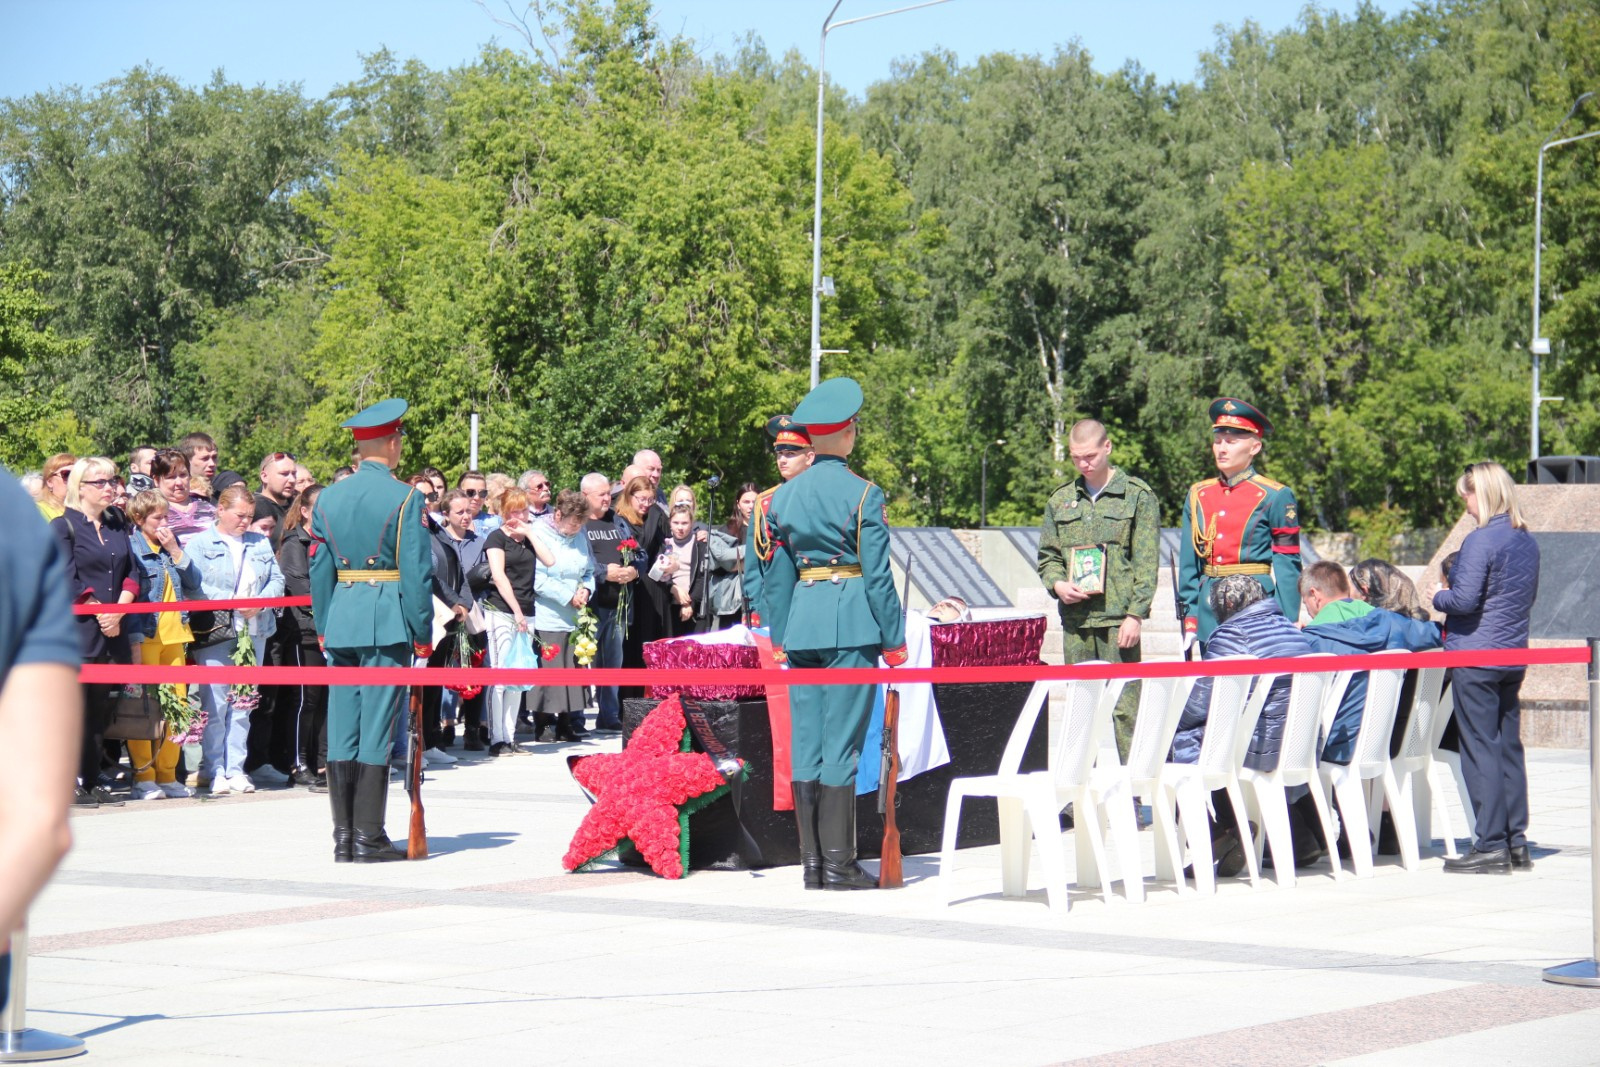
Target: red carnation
(551,651)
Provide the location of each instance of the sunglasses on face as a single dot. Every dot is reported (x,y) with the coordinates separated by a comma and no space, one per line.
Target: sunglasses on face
(99,483)
(475,494)
(682,505)
(276,456)
(539,486)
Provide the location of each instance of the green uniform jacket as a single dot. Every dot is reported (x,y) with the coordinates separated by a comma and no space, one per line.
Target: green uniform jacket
(830,516)
(1127,520)
(757,554)
(357,522)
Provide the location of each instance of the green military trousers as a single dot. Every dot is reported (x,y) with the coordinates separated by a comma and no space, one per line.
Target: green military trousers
(1100,642)
(361,718)
(828,723)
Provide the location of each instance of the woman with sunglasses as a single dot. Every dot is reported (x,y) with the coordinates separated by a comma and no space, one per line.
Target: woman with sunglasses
(101,570)
(53,491)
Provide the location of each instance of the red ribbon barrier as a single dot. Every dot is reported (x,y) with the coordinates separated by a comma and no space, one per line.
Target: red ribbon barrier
(117,673)
(193,605)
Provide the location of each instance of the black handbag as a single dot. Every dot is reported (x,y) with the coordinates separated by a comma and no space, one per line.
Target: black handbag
(479,578)
(210,627)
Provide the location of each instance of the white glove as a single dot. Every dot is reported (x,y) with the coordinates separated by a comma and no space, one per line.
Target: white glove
(1189,642)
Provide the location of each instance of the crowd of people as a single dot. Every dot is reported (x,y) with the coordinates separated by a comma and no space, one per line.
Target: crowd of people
(591,574)
(585,576)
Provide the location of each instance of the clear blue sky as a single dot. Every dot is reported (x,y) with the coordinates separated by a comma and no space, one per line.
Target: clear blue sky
(51,43)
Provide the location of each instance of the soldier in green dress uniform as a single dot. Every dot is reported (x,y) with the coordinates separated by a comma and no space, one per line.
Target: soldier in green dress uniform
(830,599)
(1239,522)
(791,447)
(371,571)
(1109,516)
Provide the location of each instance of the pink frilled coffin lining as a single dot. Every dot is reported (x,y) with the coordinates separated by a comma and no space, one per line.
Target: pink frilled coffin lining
(989,643)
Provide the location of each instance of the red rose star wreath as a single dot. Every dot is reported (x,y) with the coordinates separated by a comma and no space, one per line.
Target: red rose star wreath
(645,794)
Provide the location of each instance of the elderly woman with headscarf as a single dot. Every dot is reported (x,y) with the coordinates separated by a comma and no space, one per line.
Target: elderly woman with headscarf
(102,570)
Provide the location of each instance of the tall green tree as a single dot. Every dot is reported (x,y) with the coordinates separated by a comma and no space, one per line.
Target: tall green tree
(35,420)
(151,205)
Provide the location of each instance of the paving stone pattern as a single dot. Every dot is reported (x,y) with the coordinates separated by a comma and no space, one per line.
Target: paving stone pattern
(221,932)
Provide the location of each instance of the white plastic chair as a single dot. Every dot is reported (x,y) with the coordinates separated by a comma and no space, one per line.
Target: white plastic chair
(1110,802)
(1413,767)
(1161,702)
(1370,763)
(1297,765)
(1191,784)
(1437,765)
(1031,803)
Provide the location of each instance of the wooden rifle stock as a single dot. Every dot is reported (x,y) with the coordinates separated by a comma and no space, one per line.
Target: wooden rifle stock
(417,840)
(889,873)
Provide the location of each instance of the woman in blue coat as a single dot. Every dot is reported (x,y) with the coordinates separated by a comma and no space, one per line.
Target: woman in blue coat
(1492,589)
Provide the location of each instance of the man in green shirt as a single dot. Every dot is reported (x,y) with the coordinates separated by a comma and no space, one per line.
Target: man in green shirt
(1326,592)
(1109,518)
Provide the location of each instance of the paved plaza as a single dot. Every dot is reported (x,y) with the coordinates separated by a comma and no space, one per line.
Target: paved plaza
(221,932)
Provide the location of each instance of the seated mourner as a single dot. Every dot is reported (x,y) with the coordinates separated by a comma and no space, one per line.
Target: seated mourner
(1250,622)
(1343,626)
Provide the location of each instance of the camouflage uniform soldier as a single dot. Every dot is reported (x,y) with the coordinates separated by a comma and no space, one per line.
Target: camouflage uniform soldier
(1109,509)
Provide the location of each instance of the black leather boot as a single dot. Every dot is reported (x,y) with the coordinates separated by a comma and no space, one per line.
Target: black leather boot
(805,818)
(341,789)
(543,721)
(563,727)
(836,833)
(575,728)
(371,844)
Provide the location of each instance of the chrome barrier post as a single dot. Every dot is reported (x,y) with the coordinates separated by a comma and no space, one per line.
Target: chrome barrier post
(1587,972)
(19,1044)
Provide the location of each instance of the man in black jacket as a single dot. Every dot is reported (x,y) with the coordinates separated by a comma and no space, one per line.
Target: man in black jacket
(450,587)
(610,575)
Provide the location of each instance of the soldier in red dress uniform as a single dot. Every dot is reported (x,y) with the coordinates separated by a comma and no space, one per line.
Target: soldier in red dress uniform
(1237,523)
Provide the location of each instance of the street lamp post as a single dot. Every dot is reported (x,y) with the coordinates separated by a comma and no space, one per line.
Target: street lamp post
(816,217)
(983,504)
(1540,346)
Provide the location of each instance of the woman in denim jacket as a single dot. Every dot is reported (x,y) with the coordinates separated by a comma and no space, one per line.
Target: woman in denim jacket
(233,563)
(163,637)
